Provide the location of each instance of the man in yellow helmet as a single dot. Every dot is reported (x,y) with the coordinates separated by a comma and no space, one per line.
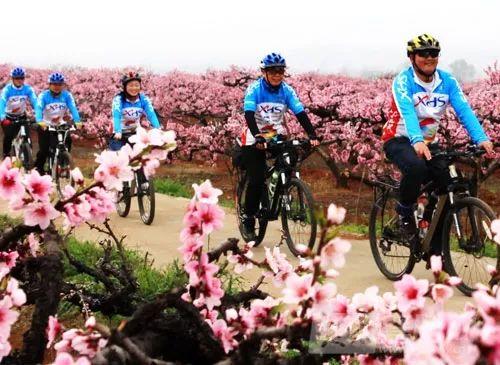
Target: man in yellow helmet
(420,96)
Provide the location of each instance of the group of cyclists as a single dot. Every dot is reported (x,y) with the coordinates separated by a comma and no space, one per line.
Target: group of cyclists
(420,95)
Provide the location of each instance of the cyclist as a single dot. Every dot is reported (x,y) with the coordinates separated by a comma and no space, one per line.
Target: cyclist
(128,109)
(13,100)
(54,106)
(265,104)
(420,95)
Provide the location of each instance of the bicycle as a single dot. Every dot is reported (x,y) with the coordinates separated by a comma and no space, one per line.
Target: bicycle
(60,161)
(141,187)
(466,241)
(22,147)
(284,194)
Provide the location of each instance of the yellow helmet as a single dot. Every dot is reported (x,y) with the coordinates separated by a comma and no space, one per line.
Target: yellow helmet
(421,42)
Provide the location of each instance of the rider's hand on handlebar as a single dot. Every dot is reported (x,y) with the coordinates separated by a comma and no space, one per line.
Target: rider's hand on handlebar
(79,125)
(422,150)
(117,136)
(488,147)
(42,125)
(260,143)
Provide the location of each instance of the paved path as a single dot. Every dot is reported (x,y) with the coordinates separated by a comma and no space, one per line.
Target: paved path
(161,240)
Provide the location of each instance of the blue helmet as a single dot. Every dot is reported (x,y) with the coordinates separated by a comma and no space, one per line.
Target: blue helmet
(56,78)
(272,60)
(17,73)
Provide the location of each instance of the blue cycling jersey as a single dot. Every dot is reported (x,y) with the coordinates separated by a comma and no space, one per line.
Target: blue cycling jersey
(270,106)
(417,108)
(51,108)
(13,100)
(127,114)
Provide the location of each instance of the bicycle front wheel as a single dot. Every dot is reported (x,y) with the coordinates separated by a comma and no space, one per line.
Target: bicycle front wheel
(124,199)
(26,156)
(61,171)
(146,200)
(297,216)
(391,252)
(468,246)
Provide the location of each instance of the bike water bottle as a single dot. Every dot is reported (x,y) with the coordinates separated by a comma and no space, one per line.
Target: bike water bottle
(272,183)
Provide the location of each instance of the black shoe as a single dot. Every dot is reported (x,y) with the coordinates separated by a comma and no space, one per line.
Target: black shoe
(248,225)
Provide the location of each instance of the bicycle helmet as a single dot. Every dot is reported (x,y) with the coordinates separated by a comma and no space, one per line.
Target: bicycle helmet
(18,73)
(272,60)
(130,76)
(422,42)
(56,78)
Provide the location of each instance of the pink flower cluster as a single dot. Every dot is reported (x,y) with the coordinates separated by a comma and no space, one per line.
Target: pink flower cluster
(85,343)
(11,298)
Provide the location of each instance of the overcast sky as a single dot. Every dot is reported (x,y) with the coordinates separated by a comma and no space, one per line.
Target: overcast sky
(328,36)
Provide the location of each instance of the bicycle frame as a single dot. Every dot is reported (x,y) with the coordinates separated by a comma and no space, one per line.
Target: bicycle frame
(62,135)
(23,135)
(286,170)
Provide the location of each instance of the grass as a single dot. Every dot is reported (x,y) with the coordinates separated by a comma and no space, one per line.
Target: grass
(359,229)
(176,188)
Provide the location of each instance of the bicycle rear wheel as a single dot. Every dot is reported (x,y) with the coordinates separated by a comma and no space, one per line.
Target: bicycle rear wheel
(146,200)
(260,219)
(468,245)
(391,252)
(297,216)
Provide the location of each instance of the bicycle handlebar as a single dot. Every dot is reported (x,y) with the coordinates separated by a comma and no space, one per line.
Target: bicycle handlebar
(470,152)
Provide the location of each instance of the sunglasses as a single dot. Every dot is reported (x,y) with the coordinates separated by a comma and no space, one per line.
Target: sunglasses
(276,71)
(426,53)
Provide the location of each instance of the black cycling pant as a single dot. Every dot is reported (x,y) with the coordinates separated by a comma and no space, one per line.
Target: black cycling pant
(415,170)
(46,141)
(254,162)
(9,133)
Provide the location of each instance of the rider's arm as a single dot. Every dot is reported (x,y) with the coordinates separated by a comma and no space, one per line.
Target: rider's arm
(306,124)
(293,102)
(402,94)
(465,113)
(116,111)
(250,106)
(32,97)
(251,122)
(150,112)
(70,102)
(39,106)
(3,102)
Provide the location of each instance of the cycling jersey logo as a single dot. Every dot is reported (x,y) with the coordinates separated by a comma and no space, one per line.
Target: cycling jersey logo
(270,108)
(435,102)
(401,86)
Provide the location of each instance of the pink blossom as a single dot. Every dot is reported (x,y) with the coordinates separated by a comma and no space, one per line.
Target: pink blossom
(190,246)
(207,194)
(436,264)
(54,328)
(113,169)
(410,292)
(7,317)
(335,215)
(77,176)
(17,295)
(150,166)
(334,252)
(495,228)
(225,334)
(211,217)
(321,295)
(33,243)
(39,213)
(10,182)
(63,358)
(368,301)
(297,288)
(441,293)
(38,186)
